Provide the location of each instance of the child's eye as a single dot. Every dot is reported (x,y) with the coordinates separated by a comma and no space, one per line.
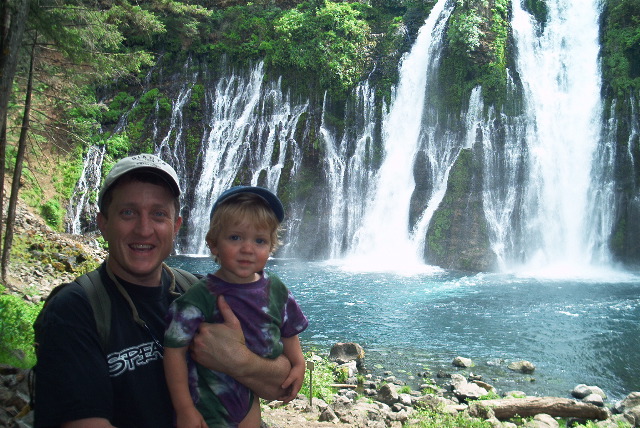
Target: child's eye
(234,238)
(261,241)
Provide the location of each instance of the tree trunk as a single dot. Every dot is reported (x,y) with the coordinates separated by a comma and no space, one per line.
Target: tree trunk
(17,172)
(3,157)
(531,406)
(12,24)
(13,17)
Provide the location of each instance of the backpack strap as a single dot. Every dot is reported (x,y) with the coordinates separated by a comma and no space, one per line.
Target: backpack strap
(184,279)
(100,302)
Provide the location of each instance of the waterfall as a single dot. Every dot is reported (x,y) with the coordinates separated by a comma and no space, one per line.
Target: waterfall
(81,206)
(547,172)
(383,240)
(242,113)
(348,168)
(503,157)
(171,148)
(561,79)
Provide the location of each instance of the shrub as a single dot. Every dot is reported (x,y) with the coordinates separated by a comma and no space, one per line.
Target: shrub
(16,332)
(322,375)
(52,213)
(430,418)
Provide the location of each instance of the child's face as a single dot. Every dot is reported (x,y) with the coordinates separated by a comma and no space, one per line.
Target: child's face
(242,251)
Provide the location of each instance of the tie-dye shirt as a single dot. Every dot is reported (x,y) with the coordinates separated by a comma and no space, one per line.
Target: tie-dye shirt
(266,310)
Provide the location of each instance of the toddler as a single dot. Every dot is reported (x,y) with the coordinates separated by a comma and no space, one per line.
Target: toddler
(243,233)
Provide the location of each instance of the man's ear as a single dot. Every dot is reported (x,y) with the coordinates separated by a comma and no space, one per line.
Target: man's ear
(102,223)
(176,226)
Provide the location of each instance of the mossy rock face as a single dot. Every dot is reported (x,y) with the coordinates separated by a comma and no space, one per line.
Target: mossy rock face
(477,52)
(458,233)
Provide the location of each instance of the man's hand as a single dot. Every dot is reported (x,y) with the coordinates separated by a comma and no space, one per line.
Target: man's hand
(221,347)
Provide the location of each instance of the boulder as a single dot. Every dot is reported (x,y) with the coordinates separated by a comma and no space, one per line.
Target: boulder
(630,408)
(343,353)
(462,362)
(464,390)
(582,391)
(388,394)
(542,421)
(525,367)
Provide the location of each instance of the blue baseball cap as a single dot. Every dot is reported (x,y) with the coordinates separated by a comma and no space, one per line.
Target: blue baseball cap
(266,194)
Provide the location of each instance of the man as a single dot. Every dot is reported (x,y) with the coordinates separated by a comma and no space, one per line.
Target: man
(80,385)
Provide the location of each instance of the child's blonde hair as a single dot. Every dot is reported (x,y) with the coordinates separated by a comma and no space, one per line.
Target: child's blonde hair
(244,207)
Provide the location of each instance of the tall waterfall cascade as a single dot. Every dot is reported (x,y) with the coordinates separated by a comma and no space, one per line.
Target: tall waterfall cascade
(383,239)
(560,72)
(242,109)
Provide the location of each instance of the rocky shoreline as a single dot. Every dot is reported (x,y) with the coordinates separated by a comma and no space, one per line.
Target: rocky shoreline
(385,401)
(375,402)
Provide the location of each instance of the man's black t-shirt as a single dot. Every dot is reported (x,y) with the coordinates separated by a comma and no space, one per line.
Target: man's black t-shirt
(74,378)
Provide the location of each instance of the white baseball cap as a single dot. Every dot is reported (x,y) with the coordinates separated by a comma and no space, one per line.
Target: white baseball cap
(143,162)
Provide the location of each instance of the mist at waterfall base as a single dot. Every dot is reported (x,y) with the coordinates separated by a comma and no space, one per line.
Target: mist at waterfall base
(574,331)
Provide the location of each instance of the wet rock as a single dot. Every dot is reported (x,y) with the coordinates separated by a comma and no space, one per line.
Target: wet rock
(525,367)
(464,390)
(462,362)
(542,421)
(345,352)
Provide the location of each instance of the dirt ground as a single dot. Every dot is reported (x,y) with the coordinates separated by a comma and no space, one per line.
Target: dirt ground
(291,417)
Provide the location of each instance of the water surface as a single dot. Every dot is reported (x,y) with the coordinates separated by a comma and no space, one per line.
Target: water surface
(574,331)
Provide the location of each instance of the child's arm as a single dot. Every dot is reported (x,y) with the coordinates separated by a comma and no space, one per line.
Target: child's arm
(293,383)
(176,373)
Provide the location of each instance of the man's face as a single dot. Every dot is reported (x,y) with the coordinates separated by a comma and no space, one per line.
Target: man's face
(140,228)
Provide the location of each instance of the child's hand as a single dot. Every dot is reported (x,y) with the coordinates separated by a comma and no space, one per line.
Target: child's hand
(293,383)
(190,419)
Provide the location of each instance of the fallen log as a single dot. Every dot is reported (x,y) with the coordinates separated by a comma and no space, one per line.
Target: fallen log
(343,385)
(530,406)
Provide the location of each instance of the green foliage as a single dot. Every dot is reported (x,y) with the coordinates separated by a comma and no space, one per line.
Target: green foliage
(406,389)
(117,107)
(476,54)
(32,194)
(96,38)
(491,395)
(82,110)
(69,172)
(341,374)
(118,146)
(243,32)
(538,8)
(323,377)
(464,29)
(432,419)
(16,332)
(457,187)
(621,46)
(152,105)
(53,214)
(592,424)
(197,97)
(332,41)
